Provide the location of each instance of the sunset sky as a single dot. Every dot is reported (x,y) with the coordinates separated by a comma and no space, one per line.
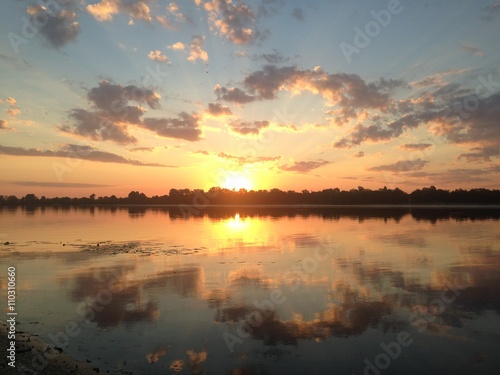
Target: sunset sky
(111,96)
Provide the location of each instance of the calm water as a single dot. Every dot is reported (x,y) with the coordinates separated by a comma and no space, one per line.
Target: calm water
(254,291)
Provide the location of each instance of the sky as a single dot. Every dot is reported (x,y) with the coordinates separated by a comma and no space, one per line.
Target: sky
(106,97)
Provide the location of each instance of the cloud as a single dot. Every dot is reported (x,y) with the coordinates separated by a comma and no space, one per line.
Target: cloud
(202,152)
(112,115)
(241,160)
(298,14)
(401,166)
(13,110)
(457,114)
(480,125)
(3,124)
(248,128)
(177,46)
(64,185)
(235,21)
(196,50)
(415,146)
(491,11)
(304,166)
(233,94)
(271,58)
(474,50)
(495,7)
(218,110)
(142,149)
(377,132)
(346,90)
(18,64)
(359,154)
(60,27)
(97,126)
(484,153)
(438,79)
(11,101)
(158,56)
(106,9)
(350,93)
(185,126)
(75,152)
(113,98)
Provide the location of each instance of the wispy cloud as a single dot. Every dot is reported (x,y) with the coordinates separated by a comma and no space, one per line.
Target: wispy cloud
(304,166)
(238,160)
(415,146)
(474,50)
(298,13)
(401,166)
(77,152)
(57,184)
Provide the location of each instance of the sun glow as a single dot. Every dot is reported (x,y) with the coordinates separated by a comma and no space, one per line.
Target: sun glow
(237,181)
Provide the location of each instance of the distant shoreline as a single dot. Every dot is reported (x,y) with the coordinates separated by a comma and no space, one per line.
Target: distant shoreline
(295,206)
(219,197)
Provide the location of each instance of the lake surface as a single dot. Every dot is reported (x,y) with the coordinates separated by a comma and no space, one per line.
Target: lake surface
(260,291)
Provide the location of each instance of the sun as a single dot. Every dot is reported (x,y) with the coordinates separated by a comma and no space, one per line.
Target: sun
(237,181)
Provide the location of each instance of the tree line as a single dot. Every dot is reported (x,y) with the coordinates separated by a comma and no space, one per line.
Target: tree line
(221,196)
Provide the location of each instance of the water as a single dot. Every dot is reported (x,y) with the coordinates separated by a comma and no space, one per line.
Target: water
(261,291)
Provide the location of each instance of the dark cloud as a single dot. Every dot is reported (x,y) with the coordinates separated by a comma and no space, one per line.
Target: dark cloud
(359,154)
(415,146)
(185,126)
(481,153)
(113,113)
(401,166)
(98,127)
(298,13)
(234,95)
(480,125)
(65,185)
(377,132)
(217,109)
(58,28)
(304,166)
(113,99)
(75,152)
(235,21)
(248,128)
